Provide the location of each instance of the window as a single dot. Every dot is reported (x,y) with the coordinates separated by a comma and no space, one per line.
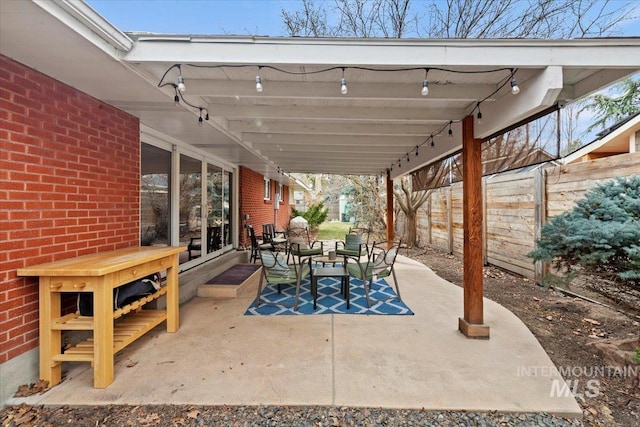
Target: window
(267,189)
(226,208)
(280,192)
(215,206)
(154,196)
(190,192)
(200,213)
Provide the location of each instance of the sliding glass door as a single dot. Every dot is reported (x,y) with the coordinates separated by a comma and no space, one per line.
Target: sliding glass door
(202,210)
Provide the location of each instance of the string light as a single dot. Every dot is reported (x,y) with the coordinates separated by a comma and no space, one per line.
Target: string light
(416,151)
(343,84)
(425,83)
(258,81)
(515,89)
(176,98)
(181,86)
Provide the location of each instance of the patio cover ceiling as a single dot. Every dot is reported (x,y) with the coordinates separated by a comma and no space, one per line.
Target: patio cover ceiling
(301,122)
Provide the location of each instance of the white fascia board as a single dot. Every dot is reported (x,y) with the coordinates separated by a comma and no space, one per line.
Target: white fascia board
(604,53)
(80,17)
(535,95)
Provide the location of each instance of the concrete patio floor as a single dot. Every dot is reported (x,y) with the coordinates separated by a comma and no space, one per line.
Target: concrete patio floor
(221,357)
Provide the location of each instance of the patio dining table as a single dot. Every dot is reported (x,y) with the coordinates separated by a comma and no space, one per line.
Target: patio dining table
(330,272)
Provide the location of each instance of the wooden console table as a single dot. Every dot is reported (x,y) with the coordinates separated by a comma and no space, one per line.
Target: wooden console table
(101,273)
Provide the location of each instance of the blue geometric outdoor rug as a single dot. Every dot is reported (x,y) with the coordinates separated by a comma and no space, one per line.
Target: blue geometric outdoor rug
(330,299)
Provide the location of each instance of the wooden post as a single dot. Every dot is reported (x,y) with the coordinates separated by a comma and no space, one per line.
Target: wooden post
(390,224)
(472,324)
(450,219)
(540,196)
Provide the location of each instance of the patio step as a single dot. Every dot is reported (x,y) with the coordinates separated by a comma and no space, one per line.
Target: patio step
(231,283)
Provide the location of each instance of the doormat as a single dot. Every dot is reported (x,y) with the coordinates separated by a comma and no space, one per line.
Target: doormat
(235,275)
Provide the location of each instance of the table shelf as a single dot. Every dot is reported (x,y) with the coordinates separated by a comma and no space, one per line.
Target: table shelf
(125,332)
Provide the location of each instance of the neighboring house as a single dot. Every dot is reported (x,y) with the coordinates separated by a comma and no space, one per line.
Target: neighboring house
(623,137)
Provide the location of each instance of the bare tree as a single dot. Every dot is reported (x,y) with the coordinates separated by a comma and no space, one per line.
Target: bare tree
(458,18)
(409,202)
(525,19)
(454,19)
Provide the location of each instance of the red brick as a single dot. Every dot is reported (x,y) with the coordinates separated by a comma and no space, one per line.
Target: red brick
(61,185)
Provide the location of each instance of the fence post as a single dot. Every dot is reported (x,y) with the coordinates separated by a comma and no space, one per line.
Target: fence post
(450,219)
(540,196)
(485,221)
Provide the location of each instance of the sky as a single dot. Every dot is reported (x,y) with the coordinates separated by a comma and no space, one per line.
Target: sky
(228,17)
(231,17)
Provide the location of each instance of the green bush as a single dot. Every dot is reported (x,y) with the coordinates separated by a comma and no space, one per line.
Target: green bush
(315,214)
(600,235)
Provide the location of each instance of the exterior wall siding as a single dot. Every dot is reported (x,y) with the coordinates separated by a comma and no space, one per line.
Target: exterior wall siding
(69,186)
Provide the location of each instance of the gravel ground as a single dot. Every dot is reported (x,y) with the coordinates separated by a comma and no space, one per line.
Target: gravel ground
(166,415)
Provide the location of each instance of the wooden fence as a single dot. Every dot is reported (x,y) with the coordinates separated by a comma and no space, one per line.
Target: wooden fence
(516,204)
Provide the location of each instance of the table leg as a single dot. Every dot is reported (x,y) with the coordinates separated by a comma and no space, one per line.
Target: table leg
(173,296)
(314,290)
(347,293)
(50,340)
(103,357)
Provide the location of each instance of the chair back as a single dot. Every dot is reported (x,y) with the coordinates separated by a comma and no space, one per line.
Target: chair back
(268,233)
(353,242)
(298,238)
(213,238)
(363,232)
(383,256)
(252,236)
(275,264)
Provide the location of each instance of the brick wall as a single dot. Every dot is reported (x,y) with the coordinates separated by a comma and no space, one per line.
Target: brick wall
(260,211)
(69,186)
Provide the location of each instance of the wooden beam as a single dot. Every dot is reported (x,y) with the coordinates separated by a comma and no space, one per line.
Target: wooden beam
(472,324)
(390,223)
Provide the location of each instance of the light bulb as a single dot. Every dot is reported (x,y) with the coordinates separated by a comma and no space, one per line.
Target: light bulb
(200,121)
(515,89)
(181,86)
(258,84)
(343,86)
(450,133)
(425,88)
(176,99)
(479,117)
